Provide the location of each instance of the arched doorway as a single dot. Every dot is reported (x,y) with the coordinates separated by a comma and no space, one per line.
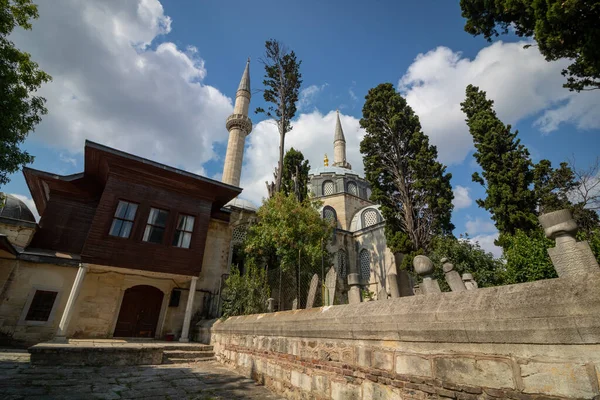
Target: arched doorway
(139,312)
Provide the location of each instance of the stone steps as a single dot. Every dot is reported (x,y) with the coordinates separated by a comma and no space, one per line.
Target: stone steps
(187,356)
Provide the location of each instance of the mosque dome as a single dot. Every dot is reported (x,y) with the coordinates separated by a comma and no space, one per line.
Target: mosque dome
(332,170)
(13,208)
(242,204)
(366,217)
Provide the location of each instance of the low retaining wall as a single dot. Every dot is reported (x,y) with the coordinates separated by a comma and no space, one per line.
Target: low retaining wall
(536,340)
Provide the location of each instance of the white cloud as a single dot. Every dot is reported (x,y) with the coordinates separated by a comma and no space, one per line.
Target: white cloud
(487,243)
(308,95)
(352,94)
(67,159)
(520,81)
(462,199)
(479,225)
(29,203)
(312,134)
(114,84)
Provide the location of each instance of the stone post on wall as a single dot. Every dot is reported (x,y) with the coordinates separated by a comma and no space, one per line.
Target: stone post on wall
(354,292)
(569,256)
(452,276)
(424,267)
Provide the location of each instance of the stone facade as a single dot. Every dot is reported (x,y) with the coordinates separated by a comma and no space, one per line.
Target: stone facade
(97,309)
(537,340)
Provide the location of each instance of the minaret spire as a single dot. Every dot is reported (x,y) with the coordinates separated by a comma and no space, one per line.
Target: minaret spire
(339,145)
(239,126)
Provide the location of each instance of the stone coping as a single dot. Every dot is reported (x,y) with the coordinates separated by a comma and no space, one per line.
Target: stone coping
(555,311)
(118,344)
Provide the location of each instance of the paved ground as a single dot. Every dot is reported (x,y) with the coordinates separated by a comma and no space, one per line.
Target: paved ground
(200,381)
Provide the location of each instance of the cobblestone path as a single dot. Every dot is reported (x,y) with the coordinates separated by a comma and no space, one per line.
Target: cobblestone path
(200,381)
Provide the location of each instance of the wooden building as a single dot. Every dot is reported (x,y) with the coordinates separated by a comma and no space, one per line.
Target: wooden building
(127,248)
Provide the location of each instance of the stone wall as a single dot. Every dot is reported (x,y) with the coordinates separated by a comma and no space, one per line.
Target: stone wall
(97,306)
(537,340)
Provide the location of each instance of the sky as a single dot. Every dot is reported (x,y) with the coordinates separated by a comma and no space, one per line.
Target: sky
(158,79)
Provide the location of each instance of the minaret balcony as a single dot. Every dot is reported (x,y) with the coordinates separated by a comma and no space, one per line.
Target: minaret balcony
(239,121)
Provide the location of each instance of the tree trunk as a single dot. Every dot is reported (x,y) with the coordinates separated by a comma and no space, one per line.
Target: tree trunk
(280,163)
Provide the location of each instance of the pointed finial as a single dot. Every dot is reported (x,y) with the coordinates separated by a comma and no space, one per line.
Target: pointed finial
(248,60)
(326,161)
(339,132)
(245,82)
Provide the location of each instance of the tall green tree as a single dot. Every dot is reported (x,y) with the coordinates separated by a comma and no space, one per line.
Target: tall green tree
(245,294)
(412,187)
(295,174)
(282,85)
(20,77)
(507,168)
(561,29)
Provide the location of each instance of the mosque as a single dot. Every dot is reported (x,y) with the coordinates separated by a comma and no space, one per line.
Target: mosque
(133,248)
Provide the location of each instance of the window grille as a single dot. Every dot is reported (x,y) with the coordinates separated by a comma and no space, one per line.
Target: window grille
(183,232)
(370,217)
(239,235)
(123,219)
(41,305)
(365,265)
(352,188)
(327,188)
(342,264)
(329,215)
(155,228)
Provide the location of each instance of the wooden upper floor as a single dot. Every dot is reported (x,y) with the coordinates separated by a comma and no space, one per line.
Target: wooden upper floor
(126,211)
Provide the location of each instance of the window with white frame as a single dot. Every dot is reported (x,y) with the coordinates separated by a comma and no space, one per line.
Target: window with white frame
(41,306)
(123,219)
(183,231)
(328,188)
(365,265)
(370,217)
(155,228)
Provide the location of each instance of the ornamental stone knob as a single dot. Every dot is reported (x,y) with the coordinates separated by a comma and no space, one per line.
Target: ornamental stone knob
(467,276)
(558,224)
(447,266)
(423,265)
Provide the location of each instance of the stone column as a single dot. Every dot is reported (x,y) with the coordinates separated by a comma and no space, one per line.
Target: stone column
(470,283)
(569,256)
(354,292)
(63,326)
(185,331)
(392,281)
(452,277)
(424,267)
(271,304)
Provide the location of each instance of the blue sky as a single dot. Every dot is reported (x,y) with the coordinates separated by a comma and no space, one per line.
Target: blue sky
(157,79)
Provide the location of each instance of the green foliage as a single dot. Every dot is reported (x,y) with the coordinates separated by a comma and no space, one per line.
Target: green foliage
(552,186)
(466,257)
(293,163)
(527,257)
(412,187)
(562,29)
(507,167)
(285,227)
(282,86)
(20,76)
(245,294)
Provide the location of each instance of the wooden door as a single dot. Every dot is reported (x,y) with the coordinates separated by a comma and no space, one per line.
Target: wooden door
(139,312)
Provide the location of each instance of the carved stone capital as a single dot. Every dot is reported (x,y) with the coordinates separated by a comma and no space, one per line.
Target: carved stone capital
(239,121)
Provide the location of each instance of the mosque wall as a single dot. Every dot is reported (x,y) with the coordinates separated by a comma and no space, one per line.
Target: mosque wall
(19,234)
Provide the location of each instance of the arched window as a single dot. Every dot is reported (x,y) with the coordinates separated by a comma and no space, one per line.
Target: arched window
(329,215)
(365,265)
(328,188)
(370,217)
(342,263)
(238,235)
(352,188)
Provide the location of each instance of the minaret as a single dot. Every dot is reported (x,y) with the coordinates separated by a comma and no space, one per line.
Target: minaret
(339,145)
(239,126)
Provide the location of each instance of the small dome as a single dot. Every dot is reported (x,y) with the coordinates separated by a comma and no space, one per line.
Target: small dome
(14,208)
(242,204)
(332,170)
(365,217)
